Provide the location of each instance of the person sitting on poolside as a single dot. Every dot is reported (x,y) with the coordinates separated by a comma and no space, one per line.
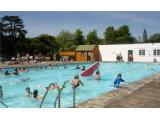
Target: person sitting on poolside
(16,72)
(28,91)
(84,68)
(6,72)
(77,67)
(76,81)
(97,75)
(36,96)
(1,92)
(118,81)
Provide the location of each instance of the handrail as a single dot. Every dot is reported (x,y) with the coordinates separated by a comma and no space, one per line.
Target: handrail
(46,94)
(3,104)
(58,96)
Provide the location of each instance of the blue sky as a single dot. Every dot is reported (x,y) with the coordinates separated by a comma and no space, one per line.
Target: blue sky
(53,22)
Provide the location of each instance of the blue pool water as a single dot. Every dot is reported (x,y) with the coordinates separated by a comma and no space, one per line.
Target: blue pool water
(14,88)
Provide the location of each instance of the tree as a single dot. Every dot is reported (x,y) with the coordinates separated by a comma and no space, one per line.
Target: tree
(109,35)
(145,36)
(155,38)
(13,34)
(66,41)
(119,36)
(92,38)
(44,44)
(78,37)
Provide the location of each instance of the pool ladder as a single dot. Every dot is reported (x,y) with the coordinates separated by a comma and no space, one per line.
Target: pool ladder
(58,98)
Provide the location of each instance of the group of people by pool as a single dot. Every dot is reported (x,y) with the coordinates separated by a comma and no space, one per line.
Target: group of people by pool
(35,94)
(75,82)
(16,71)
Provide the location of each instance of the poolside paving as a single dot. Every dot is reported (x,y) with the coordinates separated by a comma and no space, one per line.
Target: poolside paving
(140,94)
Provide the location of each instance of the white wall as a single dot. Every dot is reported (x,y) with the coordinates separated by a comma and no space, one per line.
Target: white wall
(108,52)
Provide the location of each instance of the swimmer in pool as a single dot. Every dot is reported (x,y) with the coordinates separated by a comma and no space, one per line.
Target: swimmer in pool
(76,81)
(6,72)
(77,67)
(28,91)
(84,68)
(16,72)
(36,96)
(52,87)
(1,92)
(65,67)
(117,82)
(49,66)
(97,75)
(24,79)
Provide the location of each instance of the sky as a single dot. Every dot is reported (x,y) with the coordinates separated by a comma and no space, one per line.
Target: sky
(53,22)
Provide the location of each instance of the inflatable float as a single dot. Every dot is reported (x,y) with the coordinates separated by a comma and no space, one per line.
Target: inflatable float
(90,70)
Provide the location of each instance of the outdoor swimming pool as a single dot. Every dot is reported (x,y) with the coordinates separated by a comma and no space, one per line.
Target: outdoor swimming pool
(14,87)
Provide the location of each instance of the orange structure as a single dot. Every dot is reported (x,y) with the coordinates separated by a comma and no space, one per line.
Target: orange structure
(87,53)
(68,55)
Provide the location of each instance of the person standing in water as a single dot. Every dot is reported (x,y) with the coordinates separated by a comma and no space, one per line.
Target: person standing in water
(83,68)
(28,91)
(16,72)
(76,81)
(6,72)
(97,75)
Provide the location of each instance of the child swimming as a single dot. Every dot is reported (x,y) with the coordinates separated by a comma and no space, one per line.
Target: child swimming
(28,91)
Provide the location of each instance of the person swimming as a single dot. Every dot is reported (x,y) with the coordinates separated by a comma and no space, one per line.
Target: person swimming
(97,75)
(36,96)
(24,79)
(16,72)
(52,87)
(7,73)
(65,67)
(49,66)
(28,91)
(83,68)
(76,81)
(1,91)
(23,70)
(118,81)
(77,67)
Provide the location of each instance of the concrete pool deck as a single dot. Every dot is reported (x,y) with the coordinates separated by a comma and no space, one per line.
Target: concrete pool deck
(4,65)
(140,94)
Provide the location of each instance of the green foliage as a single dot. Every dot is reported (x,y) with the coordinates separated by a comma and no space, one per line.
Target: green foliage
(66,41)
(44,44)
(12,35)
(155,38)
(145,36)
(13,40)
(121,35)
(92,38)
(78,37)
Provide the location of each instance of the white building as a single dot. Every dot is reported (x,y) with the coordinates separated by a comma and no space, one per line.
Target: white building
(146,52)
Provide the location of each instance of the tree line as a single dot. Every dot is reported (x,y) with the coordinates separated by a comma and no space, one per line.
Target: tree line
(13,38)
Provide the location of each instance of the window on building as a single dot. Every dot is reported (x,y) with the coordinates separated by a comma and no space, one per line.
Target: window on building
(83,54)
(156,52)
(141,52)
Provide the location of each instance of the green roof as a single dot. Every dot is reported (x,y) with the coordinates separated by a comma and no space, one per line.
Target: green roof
(85,47)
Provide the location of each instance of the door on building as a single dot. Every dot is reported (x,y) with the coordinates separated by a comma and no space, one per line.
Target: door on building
(88,56)
(130,53)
